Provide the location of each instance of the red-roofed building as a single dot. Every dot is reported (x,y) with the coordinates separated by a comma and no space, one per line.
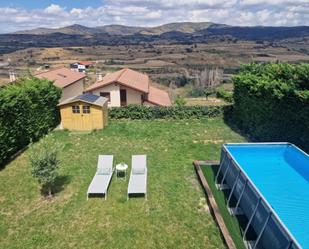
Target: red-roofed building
(72,83)
(126,87)
(81,66)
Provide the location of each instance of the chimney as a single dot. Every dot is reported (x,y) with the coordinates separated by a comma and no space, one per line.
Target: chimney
(12,75)
(100,77)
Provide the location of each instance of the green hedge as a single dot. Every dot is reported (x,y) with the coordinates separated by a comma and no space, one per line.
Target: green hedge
(225,95)
(28,110)
(272,102)
(173,112)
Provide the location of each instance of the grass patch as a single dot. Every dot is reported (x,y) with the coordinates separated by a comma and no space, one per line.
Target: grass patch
(233,224)
(172,216)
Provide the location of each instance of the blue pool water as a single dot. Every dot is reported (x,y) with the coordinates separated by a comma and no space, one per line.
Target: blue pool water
(280,172)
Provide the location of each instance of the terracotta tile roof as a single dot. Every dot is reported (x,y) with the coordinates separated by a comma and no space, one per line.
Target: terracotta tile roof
(158,97)
(85,63)
(126,77)
(62,77)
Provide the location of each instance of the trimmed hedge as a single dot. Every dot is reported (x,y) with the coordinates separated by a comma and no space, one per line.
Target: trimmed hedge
(172,112)
(28,110)
(272,102)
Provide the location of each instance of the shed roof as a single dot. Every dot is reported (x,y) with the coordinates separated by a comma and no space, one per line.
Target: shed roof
(62,77)
(87,98)
(126,77)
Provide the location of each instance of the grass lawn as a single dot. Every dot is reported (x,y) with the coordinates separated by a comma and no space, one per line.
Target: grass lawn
(232,223)
(172,217)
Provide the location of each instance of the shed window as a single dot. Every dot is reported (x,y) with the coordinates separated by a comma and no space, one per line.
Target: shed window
(106,95)
(86,109)
(75,109)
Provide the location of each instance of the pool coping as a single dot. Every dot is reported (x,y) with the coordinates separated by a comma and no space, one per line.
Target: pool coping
(212,202)
(256,189)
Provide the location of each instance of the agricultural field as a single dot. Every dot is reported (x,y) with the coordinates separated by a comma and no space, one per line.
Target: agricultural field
(174,216)
(163,63)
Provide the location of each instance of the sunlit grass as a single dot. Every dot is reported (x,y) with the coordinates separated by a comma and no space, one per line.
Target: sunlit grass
(170,218)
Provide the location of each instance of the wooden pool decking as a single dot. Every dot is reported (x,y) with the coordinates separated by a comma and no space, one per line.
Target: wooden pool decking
(212,202)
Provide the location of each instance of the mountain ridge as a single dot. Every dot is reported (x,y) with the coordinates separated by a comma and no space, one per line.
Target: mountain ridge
(117,29)
(171,33)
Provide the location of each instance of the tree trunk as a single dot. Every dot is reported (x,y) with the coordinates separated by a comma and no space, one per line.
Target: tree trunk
(50,192)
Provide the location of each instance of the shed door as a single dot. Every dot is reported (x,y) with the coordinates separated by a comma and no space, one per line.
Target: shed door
(86,117)
(76,118)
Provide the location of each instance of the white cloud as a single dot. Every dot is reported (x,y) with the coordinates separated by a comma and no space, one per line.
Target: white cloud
(53,9)
(157,12)
(272,2)
(76,11)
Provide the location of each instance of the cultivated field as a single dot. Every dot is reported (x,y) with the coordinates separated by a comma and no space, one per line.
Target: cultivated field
(162,62)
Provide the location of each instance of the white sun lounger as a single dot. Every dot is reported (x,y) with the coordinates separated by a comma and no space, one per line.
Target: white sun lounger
(138,176)
(103,176)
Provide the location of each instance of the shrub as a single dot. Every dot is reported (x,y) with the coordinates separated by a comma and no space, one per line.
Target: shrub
(172,112)
(44,165)
(180,101)
(196,93)
(28,110)
(272,102)
(225,95)
(182,80)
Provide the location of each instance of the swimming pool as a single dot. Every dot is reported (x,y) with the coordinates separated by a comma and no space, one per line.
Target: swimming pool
(270,185)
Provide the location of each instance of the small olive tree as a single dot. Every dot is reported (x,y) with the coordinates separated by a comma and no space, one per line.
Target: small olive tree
(207,92)
(45,166)
(180,101)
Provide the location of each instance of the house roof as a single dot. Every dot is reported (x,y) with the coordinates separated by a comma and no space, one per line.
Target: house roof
(85,63)
(126,77)
(62,77)
(87,98)
(158,97)
(137,81)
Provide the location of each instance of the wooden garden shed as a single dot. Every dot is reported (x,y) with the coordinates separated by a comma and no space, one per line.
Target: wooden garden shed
(84,112)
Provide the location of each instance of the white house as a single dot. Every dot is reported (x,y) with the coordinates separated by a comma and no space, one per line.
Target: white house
(126,87)
(81,66)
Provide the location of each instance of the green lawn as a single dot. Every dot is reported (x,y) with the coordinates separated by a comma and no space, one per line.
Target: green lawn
(172,217)
(232,223)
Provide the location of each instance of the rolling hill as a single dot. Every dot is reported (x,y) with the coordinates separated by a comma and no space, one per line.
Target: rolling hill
(171,33)
(76,29)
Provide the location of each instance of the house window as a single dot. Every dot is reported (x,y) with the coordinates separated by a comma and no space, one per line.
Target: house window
(86,109)
(75,109)
(106,95)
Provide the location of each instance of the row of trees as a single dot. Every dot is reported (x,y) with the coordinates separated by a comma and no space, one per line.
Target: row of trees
(208,80)
(203,83)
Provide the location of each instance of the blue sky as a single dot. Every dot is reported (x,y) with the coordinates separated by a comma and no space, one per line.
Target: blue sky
(26,14)
(41,4)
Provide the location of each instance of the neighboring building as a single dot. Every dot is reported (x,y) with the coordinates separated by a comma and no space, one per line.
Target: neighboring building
(71,83)
(84,112)
(81,66)
(126,87)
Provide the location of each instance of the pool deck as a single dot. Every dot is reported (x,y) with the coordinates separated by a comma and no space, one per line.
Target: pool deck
(212,202)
